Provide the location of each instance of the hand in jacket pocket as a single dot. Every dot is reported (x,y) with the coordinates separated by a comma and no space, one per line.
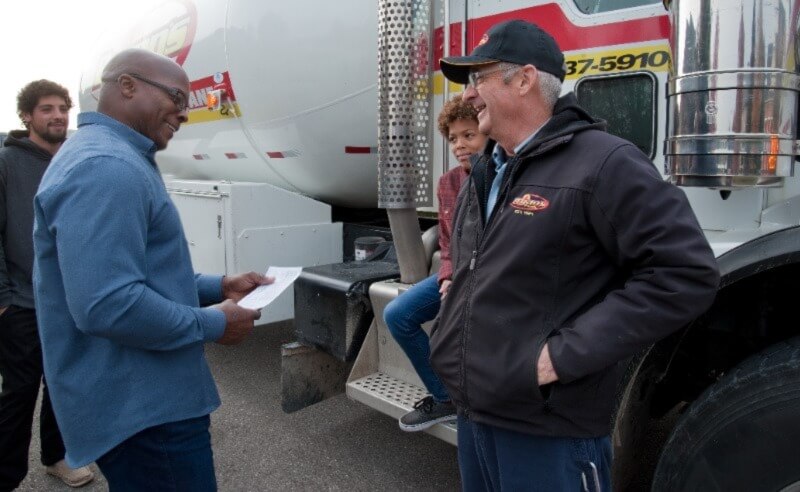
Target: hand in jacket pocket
(545,372)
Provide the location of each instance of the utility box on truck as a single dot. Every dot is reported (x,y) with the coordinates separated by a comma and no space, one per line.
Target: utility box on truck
(235,227)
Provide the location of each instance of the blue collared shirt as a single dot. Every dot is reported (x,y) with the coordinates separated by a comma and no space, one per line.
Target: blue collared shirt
(117,299)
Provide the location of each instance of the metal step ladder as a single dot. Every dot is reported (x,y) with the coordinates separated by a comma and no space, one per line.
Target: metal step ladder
(382,376)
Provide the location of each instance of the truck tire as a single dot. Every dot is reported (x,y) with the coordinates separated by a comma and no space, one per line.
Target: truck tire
(742,433)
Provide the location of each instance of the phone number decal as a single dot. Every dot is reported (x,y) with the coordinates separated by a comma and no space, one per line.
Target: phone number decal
(652,58)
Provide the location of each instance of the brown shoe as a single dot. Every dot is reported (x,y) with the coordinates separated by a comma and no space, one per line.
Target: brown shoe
(74,477)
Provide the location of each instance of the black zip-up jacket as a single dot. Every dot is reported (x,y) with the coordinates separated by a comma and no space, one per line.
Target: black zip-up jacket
(589,250)
(22,164)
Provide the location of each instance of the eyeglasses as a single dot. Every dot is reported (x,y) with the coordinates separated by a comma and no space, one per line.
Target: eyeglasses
(475,78)
(177,95)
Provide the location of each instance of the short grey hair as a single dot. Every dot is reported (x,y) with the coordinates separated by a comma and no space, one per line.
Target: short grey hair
(509,69)
(550,88)
(549,84)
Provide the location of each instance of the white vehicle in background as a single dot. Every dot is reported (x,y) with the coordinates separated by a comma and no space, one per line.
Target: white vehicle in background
(290,136)
(308,117)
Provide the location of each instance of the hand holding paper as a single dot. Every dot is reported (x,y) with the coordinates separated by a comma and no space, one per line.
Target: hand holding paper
(236,287)
(265,294)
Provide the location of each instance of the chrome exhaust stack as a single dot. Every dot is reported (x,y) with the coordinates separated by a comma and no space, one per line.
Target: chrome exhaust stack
(733,92)
(404,147)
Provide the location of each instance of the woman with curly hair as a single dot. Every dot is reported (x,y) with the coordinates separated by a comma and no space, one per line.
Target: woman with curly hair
(404,316)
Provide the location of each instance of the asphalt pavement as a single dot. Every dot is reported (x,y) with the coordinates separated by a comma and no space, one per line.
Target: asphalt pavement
(335,445)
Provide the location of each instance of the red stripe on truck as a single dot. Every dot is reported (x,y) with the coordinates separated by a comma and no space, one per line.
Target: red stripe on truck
(350,149)
(552,19)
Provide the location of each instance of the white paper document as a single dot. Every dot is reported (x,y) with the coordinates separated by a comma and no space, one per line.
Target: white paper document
(265,294)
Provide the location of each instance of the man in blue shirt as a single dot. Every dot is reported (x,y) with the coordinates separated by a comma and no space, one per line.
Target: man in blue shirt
(121,325)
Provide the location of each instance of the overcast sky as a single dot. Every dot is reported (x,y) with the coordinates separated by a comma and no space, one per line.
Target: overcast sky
(50,39)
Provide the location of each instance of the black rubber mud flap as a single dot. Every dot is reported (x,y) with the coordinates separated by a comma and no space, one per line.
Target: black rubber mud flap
(309,375)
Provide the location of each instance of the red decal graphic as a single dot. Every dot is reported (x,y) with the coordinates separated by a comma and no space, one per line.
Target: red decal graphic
(198,89)
(173,36)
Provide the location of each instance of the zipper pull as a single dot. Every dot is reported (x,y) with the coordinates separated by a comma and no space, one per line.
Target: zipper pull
(472,261)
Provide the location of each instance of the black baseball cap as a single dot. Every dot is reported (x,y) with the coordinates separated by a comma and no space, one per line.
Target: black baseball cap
(514,41)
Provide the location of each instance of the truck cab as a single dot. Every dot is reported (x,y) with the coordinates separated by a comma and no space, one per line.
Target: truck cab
(707,90)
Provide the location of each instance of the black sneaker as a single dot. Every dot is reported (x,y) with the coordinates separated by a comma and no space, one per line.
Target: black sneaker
(427,413)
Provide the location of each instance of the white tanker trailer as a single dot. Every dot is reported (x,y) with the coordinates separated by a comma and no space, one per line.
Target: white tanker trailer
(297,109)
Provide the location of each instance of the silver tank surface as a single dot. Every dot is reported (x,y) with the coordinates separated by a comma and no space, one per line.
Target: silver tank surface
(733,92)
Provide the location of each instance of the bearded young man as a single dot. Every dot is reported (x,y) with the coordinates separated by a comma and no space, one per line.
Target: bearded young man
(43,106)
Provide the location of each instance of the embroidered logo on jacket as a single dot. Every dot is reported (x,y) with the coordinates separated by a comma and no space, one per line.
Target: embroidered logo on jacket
(529,203)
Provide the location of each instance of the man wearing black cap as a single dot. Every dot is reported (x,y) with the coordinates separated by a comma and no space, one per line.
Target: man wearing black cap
(571,254)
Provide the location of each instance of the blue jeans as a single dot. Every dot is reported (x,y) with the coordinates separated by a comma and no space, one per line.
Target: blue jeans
(491,458)
(404,317)
(175,456)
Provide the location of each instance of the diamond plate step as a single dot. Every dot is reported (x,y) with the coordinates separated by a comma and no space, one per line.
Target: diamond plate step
(395,398)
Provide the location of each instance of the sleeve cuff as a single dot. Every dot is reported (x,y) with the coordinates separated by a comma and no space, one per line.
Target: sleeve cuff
(213,323)
(445,273)
(209,289)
